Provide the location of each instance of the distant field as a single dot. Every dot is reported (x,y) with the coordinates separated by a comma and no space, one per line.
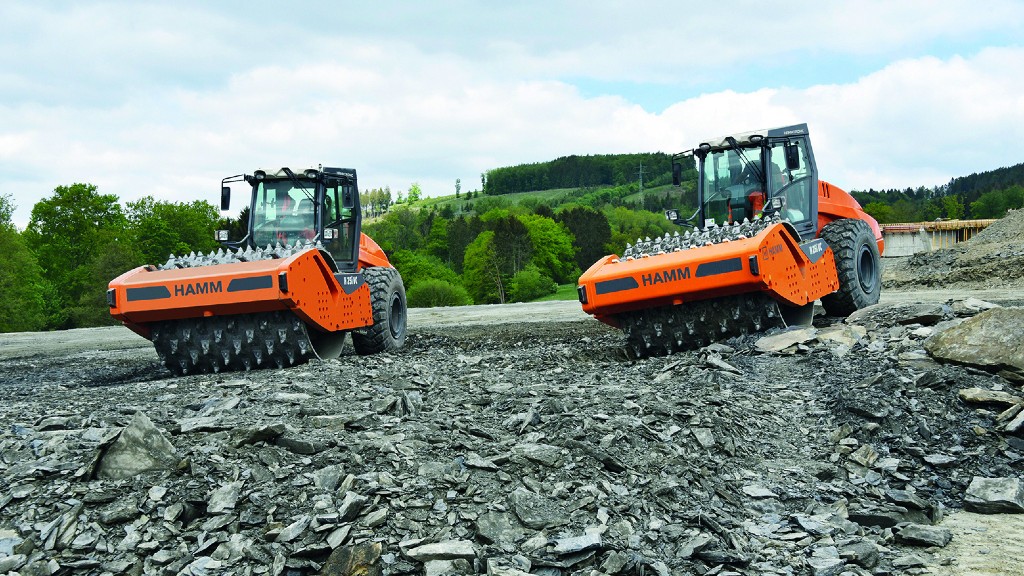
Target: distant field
(564,292)
(550,197)
(546,196)
(660,191)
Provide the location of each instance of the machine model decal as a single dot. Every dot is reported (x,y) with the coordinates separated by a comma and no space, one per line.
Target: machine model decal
(350,282)
(719,267)
(814,249)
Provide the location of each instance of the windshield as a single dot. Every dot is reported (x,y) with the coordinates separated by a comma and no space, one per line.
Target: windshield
(733,188)
(283,212)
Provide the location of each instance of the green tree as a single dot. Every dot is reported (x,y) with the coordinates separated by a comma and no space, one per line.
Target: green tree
(542,209)
(417,267)
(66,232)
(880,211)
(994,204)
(116,257)
(6,210)
(396,230)
(22,287)
(552,248)
(906,210)
(437,238)
(482,273)
(459,235)
(162,228)
(414,192)
(431,293)
(628,225)
(458,187)
(513,239)
(953,207)
(591,233)
(529,284)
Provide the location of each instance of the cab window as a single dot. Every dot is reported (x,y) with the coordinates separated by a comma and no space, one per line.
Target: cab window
(795,185)
(284,213)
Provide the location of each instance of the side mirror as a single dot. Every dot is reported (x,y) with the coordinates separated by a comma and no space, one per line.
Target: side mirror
(348,197)
(677,173)
(225,198)
(792,157)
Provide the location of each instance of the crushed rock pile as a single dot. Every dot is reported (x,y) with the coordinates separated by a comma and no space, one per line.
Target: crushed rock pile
(995,256)
(829,450)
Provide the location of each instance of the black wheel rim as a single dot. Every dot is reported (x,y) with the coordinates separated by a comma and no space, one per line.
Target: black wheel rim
(866,269)
(396,316)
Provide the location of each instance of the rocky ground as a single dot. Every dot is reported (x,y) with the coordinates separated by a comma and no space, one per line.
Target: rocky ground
(496,445)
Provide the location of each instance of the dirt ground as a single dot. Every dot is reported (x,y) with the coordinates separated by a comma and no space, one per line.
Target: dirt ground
(521,438)
(982,545)
(567,371)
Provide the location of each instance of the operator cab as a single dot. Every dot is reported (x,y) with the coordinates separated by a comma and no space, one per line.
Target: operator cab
(754,174)
(305,206)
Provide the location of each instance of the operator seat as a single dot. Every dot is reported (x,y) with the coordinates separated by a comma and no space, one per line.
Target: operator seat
(304,219)
(298,223)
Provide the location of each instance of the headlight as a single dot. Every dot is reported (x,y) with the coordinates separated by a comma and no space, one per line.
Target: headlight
(222,235)
(259,174)
(312,174)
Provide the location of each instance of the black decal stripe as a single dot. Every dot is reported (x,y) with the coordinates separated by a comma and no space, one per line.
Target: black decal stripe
(719,267)
(617,285)
(148,293)
(252,283)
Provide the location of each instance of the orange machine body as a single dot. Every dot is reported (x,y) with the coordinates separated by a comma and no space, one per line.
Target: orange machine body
(834,203)
(304,283)
(772,262)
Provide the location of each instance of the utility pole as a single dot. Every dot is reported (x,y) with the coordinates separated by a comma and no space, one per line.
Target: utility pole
(641,173)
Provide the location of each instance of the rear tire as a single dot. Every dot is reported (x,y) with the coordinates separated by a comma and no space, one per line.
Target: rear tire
(387,298)
(858,266)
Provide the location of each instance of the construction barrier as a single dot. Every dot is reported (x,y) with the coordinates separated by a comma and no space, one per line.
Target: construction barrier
(906,239)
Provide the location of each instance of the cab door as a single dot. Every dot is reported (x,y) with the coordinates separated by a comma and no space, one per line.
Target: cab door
(792,175)
(341,223)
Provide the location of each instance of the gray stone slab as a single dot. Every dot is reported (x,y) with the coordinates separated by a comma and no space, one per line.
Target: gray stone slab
(995,495)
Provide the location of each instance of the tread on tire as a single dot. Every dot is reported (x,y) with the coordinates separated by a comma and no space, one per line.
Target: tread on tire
(858,266)
(387,298)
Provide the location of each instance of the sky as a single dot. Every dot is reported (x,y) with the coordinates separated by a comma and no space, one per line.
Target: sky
(164,99)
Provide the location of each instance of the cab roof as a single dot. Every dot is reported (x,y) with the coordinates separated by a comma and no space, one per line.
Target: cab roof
(744,138)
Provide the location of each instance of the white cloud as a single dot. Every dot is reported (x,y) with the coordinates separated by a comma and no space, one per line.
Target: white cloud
(243,93)
(919,122)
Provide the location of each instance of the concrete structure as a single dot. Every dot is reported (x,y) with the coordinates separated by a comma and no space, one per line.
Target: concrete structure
(910,238)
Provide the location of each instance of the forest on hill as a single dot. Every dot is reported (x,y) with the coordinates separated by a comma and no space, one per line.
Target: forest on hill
(580,172)
(503,243)
(981,195)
